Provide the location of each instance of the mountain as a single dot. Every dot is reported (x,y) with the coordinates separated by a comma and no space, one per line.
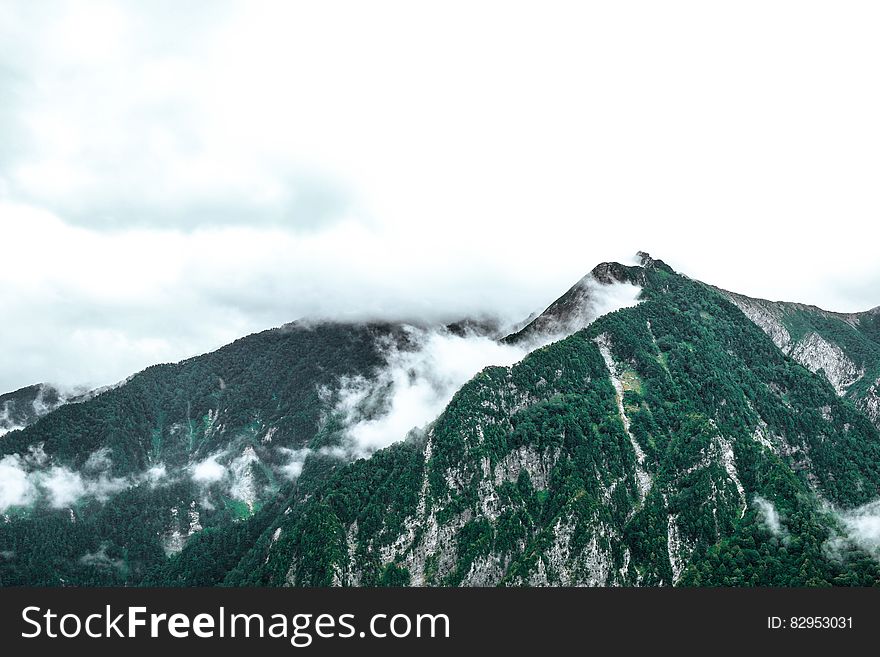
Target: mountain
(671,442)
(650,430)
(25,406)
(607,287)
(132,471)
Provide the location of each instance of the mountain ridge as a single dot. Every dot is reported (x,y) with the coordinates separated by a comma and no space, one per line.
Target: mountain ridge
(458,543)
(641,449)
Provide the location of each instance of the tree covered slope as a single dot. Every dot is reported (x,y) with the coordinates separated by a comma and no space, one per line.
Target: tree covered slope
(668,443)
(101,490)
(694,437)
(25,406)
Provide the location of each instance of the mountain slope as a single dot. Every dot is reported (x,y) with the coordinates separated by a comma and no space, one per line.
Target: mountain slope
(845,347)
(25,406)
(126,477)
(607,287)
(669,442)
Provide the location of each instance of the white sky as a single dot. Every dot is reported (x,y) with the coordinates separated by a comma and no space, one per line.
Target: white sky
(176,174)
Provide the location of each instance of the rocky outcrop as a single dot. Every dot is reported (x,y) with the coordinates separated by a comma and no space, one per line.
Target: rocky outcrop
(817,354)
(614,370)
(870,404)
(766,315)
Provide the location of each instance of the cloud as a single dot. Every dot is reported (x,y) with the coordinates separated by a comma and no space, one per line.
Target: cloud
(98,461)
(588,300)
(234,475)
(296,458)
(610,298)
(769,517)
(155,474)
(861,527)
(415,385)
(6,427)
(172,178)
(147,134)
(27,479)
(15,487)
(63,486)
(418,381)
(79,315)
(209,470)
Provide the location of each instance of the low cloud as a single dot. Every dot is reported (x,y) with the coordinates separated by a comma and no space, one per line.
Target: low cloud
(16,489)
(155,474)
(66,487)
(100,559)
(209,470)
(296,459)
(588,300)
(7,423)
(608,298)
(235,476)
(415,385)
(98,461)
(418,382)
(861,528)
(26,479)
(768,516)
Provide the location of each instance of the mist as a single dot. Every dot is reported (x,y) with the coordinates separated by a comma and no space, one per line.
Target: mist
(769,517)
(418,382)
(416,385)
(862,528)
(32,477)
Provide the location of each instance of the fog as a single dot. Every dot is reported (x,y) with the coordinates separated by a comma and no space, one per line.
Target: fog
(32,477)
(416,385)
(862,528)
(769,517)
(417,382)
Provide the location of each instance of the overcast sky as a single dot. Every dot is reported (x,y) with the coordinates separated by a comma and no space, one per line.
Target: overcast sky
(174,175)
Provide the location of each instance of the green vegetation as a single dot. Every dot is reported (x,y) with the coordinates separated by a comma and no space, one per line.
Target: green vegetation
(530,476)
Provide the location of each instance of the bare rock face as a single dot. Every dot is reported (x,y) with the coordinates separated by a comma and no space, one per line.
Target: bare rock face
(817,354)
(766,315)
(871,403)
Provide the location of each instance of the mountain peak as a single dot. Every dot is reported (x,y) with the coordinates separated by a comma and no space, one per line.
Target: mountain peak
(609,273)
(608,286)
(645,260)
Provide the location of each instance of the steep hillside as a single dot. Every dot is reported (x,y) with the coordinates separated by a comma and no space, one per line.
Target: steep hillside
(99,491)
(659,431)
(844,347)
(669,442)
(25,406)
(607,287)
